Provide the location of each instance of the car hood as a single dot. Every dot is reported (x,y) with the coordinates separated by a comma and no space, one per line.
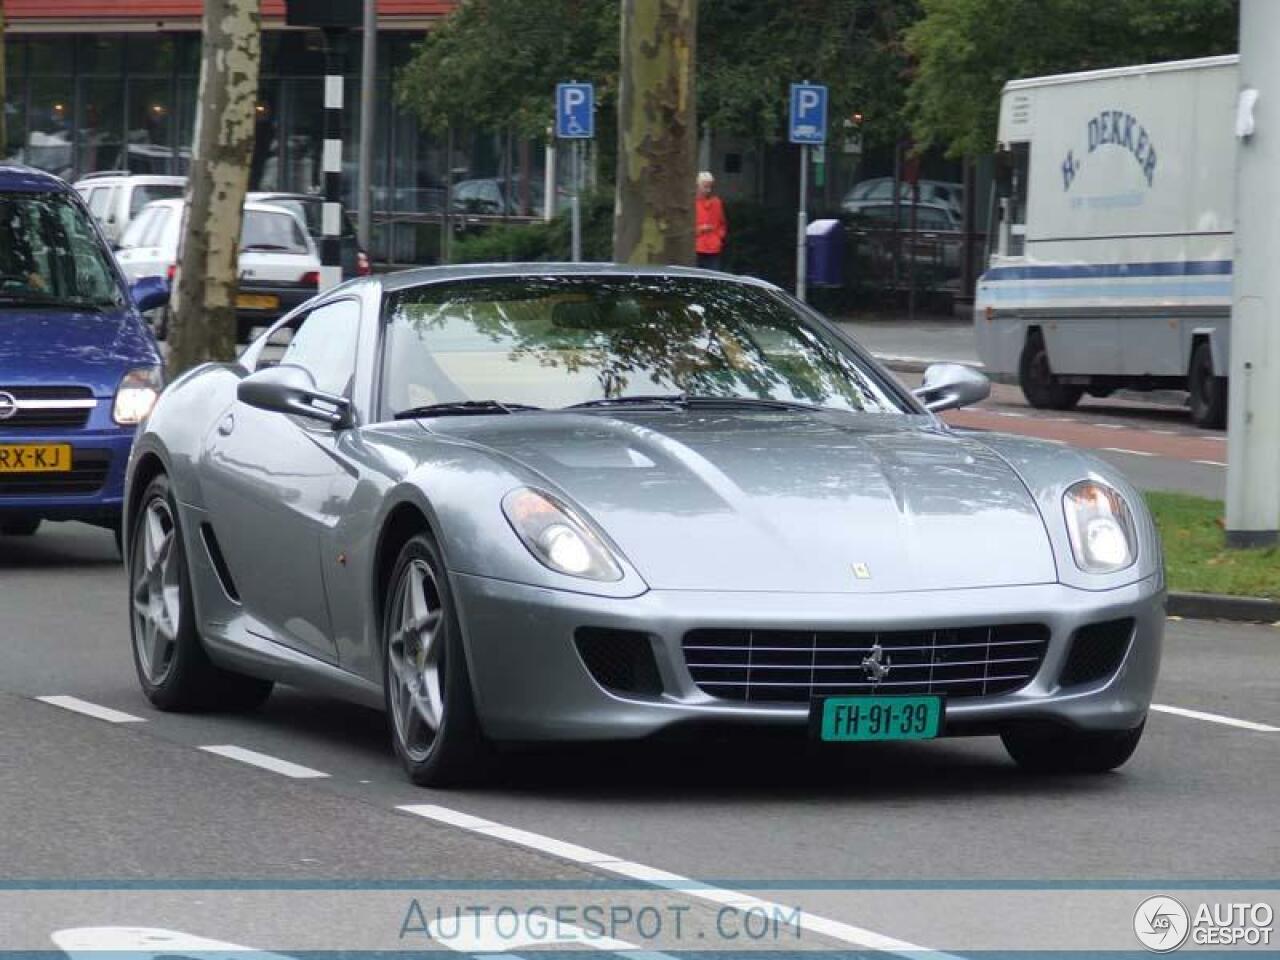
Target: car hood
(849,503)
(47,347)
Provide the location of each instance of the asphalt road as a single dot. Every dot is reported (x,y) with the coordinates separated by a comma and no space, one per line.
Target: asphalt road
(83,799)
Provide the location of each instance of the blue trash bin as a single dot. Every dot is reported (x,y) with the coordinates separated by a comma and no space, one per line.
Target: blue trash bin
(825,259)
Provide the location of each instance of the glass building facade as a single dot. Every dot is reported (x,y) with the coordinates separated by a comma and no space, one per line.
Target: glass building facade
(85,102)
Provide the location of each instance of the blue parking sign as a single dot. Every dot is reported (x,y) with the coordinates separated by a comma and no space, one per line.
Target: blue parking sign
(808,113)
(575,111)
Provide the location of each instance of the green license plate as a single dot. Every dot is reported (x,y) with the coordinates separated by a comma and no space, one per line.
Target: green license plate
(880,718)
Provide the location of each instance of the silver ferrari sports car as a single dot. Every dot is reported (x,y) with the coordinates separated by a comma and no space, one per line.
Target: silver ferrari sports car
(532,503)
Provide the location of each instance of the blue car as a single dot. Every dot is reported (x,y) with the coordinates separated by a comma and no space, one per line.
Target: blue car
(79,370)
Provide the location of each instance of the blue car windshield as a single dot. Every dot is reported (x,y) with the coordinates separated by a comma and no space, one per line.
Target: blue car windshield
(51,254)
(558,342)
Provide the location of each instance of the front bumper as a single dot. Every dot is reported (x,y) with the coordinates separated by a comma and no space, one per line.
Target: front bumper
(101,446)
(531,683)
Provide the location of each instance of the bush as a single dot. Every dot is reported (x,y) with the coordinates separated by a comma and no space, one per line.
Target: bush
(534,242)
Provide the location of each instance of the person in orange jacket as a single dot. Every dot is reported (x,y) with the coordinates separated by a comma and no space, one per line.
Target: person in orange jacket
(711,225)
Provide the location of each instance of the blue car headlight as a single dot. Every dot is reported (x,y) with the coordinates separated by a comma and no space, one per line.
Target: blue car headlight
(1100,527)
(137,393)
(557,537)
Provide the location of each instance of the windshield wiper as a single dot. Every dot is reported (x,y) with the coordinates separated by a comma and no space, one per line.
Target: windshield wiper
(455,408)
(265,246)
(684,400)
(35,300)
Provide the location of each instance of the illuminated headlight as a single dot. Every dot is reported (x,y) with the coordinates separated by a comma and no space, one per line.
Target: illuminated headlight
(136,395)
(557,537)
(1100,527)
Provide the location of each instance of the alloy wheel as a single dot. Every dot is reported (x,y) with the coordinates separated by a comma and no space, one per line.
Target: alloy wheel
(415,659)
(157,593)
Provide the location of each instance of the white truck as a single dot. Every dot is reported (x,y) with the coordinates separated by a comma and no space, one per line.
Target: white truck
(1111,266)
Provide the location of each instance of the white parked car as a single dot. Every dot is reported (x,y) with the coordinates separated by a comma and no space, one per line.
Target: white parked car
(116,197)
(279,264)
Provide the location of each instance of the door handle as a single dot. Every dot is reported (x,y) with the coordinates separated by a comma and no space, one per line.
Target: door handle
(227,425)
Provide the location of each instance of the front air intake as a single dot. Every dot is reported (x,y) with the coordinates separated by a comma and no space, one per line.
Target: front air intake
(1096,652)
(621,661)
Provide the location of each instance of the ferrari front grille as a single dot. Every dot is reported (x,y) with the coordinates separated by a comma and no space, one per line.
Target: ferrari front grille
(792,666)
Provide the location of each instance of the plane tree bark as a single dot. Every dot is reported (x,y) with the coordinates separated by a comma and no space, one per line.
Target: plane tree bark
(654,212)
(203,327)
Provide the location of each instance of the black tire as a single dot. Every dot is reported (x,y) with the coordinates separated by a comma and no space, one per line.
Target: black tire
(457,752)
(1041,388)
(1208,400)
(1071,751)
(19,526)
(183,678)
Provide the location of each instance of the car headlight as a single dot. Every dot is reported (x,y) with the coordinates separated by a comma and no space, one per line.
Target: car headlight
(1103,537)
(136,395)
(557,537)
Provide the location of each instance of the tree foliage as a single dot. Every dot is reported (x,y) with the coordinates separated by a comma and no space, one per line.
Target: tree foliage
(494,63)
(966,50)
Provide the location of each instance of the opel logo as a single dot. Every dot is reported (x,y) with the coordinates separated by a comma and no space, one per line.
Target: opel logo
(877,665)
(8,405)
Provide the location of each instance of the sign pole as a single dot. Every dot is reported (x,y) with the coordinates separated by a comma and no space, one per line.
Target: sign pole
(576,212)
(1253,407)
(802,216)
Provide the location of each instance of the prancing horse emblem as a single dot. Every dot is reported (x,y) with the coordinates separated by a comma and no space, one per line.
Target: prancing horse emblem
(877,665)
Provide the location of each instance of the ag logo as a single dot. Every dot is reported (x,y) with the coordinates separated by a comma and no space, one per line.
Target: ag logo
(1161,924)
(8,405)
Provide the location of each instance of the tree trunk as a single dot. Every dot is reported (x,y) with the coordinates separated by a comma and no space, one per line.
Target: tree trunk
(204,321)
(657,133)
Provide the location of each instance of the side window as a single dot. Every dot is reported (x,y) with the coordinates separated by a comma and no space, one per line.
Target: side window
(325,345)
(155,227)
(134,233)
(98,198)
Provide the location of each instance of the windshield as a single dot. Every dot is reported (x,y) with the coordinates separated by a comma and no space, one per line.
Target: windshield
(560,341)
(277,232)
(49,252)
(144,193)
(311,213)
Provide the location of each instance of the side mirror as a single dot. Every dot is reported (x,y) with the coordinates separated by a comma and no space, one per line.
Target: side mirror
(947,386)
(288,388)
(148,293)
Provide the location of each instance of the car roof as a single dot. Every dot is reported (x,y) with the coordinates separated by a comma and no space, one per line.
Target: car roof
(16,176)
(418,276)
(98,179)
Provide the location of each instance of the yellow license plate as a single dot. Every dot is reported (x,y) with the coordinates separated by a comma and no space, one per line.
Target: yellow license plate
(35,458)
(257,301)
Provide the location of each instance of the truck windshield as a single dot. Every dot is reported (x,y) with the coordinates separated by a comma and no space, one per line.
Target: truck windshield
(50,253)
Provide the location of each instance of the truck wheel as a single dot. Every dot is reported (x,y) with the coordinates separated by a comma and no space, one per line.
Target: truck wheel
(1041,388)
(1208,392)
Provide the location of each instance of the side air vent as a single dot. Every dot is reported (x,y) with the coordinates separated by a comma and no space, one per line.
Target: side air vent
(1096,652)
(621,661)
(219,561)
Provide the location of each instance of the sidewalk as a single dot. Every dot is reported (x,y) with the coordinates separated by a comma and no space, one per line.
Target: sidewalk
(911,346)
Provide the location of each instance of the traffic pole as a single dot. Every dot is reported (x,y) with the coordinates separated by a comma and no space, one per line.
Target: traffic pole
(368,77)
(576,209)
(1253,433)
(802,218)
(331,161)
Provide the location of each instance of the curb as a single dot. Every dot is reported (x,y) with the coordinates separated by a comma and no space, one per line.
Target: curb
(1215,606)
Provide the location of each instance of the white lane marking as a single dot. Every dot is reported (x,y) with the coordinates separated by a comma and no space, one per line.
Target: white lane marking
(1215,718)
(148,943)
(76,705)
(1108,426)
(835,929)
(1132,453)
(1210,463)
(265,761)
